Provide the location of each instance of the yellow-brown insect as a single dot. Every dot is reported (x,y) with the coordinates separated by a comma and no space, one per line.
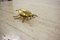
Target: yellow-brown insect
(25,14)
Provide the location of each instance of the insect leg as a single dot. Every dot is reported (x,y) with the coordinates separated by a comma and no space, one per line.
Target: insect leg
(24,18)
(17,17)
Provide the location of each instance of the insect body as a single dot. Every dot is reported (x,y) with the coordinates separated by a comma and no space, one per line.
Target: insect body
(25,14)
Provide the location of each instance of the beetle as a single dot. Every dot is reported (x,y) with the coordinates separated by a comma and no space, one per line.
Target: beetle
(25,14)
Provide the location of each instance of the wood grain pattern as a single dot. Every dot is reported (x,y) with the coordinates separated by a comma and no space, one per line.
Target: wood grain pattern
(45,27)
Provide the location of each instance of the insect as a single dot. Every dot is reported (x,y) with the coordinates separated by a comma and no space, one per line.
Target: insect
(25,15)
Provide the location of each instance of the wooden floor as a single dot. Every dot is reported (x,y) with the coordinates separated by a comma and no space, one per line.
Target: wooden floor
(44,27)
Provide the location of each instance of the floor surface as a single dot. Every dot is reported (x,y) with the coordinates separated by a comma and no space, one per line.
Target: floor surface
(44,27)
